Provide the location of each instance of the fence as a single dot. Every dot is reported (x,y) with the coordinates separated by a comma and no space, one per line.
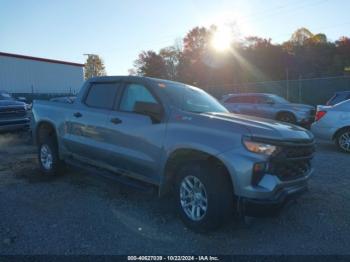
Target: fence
(308,91)
(40,96)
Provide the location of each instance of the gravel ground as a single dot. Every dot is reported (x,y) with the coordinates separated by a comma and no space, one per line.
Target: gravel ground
(81,213)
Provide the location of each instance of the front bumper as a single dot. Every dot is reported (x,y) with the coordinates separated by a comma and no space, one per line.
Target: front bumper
(286,175)
(269,207)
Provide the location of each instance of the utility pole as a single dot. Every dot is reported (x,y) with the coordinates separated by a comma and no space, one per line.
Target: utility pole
(287,77)
(299,88)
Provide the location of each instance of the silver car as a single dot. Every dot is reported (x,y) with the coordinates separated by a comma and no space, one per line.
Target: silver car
(333,123)
(269,106)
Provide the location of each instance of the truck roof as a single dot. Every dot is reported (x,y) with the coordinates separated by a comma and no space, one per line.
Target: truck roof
(118,78)
(150,80)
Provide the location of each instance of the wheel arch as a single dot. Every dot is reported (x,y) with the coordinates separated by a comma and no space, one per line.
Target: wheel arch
(281,112)
(43,129)
(184,155)
(335,135)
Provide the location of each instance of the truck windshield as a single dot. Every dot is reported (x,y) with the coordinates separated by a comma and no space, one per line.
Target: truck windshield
(192,99)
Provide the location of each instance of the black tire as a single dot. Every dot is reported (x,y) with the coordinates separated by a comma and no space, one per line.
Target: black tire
(219,194)
(286,117)
(56,167)
(339,140)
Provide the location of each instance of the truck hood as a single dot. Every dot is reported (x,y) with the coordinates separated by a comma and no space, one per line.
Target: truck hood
(11,103)
(264,128)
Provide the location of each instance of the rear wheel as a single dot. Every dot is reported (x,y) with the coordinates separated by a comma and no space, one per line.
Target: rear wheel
(48,157)
(343,140)
(286,117)
(204,196)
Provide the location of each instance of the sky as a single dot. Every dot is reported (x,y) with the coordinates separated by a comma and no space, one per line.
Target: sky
(119,30)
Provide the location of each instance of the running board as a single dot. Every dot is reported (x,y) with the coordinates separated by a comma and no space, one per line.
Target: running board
(120,178)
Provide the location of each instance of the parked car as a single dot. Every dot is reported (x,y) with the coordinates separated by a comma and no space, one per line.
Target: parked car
(338,97)
(180,139)
(333,123)
(269,106)
(13,114)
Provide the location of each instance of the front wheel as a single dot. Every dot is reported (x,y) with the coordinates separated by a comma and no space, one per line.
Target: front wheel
(48,157)
(343,140)
(204,196)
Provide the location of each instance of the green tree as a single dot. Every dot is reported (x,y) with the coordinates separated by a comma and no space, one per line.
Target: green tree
(151,64)
(192,67)
(94,66)
(171,57)
(300,36)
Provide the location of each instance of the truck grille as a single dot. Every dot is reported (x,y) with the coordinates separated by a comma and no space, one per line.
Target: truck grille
(292,161)
(12,112)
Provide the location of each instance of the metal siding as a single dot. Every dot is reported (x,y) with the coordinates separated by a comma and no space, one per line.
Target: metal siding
(19,75)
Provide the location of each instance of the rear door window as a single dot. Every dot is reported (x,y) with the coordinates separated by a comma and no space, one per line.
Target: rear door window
(233,99)
(248,99)
(242,99)
(102,95)
(264,99)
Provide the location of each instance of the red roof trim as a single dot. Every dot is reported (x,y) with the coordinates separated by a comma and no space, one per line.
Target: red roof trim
(41,59)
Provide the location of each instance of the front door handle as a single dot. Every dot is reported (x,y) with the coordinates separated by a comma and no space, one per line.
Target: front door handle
(77,114)
(116,121)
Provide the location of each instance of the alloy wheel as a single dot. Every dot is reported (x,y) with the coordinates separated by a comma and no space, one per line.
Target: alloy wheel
(193,198)
(46,157)
(344,141)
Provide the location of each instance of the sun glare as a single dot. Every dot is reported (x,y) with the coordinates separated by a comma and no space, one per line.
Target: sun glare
(221,40)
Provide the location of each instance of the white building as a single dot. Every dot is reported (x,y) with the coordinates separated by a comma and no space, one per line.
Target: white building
(26,74)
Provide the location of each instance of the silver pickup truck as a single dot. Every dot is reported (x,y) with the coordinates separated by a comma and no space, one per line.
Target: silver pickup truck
(180,139)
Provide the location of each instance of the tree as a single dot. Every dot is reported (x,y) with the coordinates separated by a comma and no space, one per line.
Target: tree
(171,57)
(192,68)
(94,66)
(257,42)
(300,36)
(318,39)
(343,53)
(253,59)
(151,64)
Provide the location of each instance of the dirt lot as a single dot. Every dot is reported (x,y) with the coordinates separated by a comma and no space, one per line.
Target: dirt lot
(81,213)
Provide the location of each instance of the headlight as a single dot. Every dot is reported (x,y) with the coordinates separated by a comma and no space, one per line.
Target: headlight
(28,107)
(260,148)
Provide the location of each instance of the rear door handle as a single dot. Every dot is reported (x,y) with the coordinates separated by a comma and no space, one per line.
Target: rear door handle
(116,121)
(77,114)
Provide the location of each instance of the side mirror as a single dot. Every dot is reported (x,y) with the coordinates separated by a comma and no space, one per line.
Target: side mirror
(270,102)
(153,110)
